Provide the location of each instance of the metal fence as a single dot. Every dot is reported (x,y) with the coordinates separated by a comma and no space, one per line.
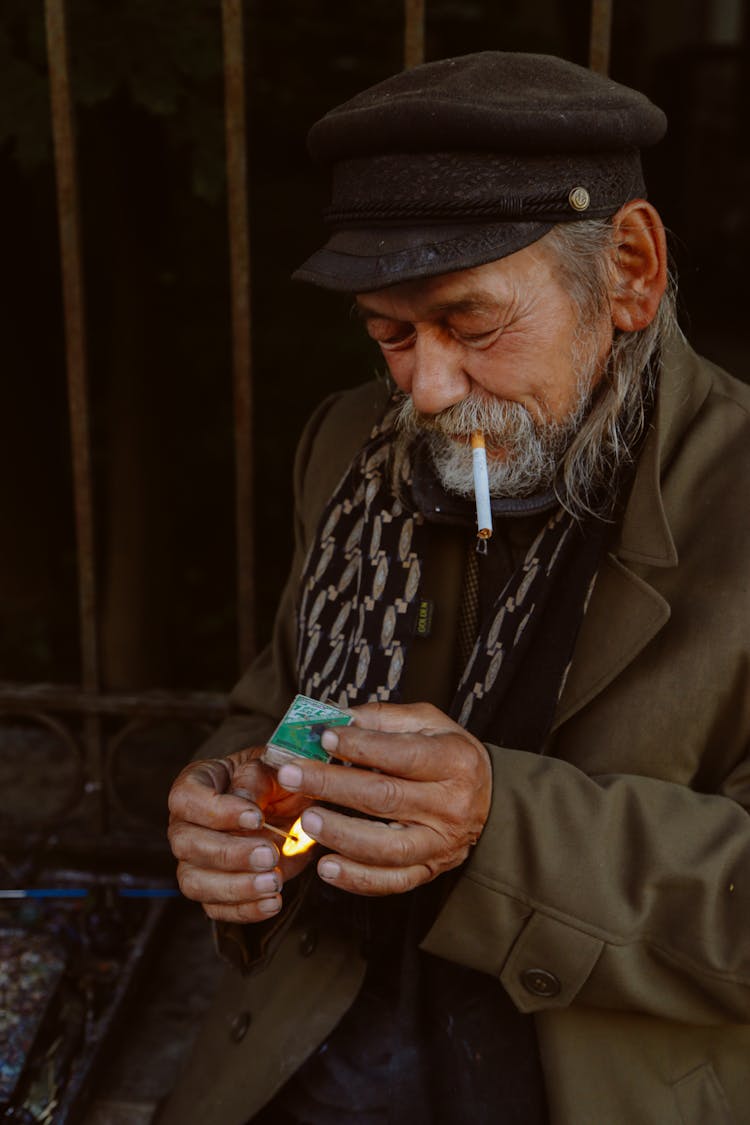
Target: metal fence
(91,726)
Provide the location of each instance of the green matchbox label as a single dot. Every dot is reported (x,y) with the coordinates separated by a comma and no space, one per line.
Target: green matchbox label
(300,730)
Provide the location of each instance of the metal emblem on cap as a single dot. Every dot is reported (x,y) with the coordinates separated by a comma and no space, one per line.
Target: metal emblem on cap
(579,199)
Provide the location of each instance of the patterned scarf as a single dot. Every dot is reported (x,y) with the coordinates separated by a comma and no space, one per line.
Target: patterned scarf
(359,605)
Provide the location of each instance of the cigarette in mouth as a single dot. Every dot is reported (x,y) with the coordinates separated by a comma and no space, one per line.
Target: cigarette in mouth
(481,485)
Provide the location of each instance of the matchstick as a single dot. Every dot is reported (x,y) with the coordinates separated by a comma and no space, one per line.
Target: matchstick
(278,831)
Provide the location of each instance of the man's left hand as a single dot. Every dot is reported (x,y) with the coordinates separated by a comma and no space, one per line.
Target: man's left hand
(431,795)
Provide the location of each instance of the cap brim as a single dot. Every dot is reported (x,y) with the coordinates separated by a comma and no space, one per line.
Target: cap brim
(360,260)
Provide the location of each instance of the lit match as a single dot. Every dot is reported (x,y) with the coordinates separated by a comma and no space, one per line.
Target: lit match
(481,485)
(296,839)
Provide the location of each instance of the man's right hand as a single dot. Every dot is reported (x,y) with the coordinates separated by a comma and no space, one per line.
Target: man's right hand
(226,861)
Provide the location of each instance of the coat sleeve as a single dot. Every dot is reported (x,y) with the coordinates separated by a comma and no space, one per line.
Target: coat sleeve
(332,436)
(258,703)
(267,687)
(330,439)
(615,891)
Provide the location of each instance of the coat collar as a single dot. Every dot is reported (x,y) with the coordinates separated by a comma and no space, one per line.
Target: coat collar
(626,612)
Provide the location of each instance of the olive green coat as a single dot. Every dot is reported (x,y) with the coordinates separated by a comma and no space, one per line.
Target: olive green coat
(617,863)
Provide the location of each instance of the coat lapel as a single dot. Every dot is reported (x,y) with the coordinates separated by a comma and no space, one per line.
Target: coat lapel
(624,615)
(626,612)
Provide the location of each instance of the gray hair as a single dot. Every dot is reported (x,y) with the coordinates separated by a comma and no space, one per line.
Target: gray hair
(609,435)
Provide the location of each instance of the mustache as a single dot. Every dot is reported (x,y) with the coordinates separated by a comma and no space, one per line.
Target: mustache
(495,417)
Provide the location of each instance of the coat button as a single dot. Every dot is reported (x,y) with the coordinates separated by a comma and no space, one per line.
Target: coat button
(308,943)
(540,983)
(238,1027)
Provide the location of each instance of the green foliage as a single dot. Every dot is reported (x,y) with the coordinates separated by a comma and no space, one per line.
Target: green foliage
(164,60)
(24,101)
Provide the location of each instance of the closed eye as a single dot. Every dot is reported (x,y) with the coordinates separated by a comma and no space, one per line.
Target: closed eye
(390,334)
(395,343)
(478,339)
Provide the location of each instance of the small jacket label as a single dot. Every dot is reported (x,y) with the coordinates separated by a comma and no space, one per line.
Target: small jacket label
(424,618)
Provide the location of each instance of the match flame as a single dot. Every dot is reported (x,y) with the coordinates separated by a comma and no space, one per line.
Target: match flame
(297,841)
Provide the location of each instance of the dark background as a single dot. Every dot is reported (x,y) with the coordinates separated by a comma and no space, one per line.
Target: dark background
(149,113)
(148,87)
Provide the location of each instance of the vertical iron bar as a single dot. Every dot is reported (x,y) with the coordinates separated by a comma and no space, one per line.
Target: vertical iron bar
(66,177)
(239,257)
(601,35)
(414,19)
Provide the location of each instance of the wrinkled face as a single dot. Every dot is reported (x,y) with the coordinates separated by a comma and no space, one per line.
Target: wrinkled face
(504,339)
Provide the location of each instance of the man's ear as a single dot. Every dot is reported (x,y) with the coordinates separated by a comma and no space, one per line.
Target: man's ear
(639,265)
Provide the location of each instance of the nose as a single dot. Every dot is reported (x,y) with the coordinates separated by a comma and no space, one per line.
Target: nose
(438,379)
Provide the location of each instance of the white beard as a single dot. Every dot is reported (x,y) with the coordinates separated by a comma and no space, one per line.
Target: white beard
(532,450)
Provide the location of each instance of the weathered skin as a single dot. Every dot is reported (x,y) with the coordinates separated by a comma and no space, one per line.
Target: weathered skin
(431,797)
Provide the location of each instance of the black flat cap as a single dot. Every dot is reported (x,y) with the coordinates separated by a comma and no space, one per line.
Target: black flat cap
(462,161)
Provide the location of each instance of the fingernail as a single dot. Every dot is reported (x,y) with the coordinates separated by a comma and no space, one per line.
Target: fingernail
(312,823)
(263,856)
(328,869)
(267,882)
(290,777)
(269,905)
(250,820)
(329,740)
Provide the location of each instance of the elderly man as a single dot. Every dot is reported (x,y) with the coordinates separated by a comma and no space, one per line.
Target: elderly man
(530,896)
